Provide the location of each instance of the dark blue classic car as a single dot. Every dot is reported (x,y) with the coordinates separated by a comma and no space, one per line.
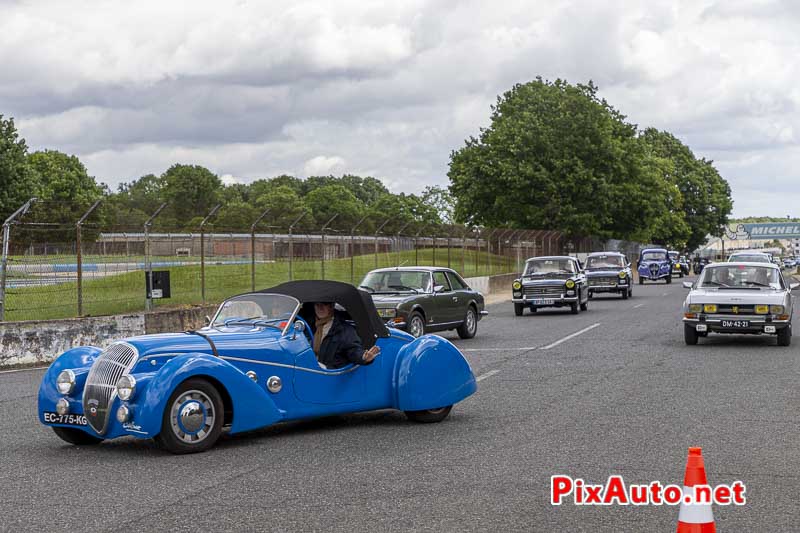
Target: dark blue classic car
(253,366)
(556,281)
(609,272)
(654,264)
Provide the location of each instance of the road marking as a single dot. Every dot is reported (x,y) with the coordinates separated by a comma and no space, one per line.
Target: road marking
(525,349)
(23,369)
(637,306)
(664,294)
(568,337)
(487,375)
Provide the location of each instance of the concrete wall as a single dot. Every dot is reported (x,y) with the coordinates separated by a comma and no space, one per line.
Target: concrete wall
(39,342)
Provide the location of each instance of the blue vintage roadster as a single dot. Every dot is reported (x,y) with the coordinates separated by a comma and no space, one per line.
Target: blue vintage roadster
(253,366)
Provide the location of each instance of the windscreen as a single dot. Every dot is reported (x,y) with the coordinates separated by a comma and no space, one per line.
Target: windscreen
(548,266)
(754,258)
(654,256)
(605,261)
(740,277)
(267,309)
(397,281)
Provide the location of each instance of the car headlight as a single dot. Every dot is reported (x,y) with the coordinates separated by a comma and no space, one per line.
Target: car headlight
(126,387)
(123,414)
(516,285)
(65,382)
(695,308)
(62,406)
(387,313)
(623,275)
(762,309)
(570,284)
(710,308)
(776,309)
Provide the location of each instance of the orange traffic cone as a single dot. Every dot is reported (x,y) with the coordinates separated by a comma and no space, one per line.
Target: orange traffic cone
(695,517)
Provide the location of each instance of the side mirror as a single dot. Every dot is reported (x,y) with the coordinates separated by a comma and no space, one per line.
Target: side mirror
(298,327)
(438,288)
(687,284)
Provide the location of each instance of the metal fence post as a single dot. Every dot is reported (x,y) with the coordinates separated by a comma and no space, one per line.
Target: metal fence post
(377,231)
(324,228)
(203,254)
(4,261)
(464,251)
(353,249)
(291,243)
(79,254)
(397,239)
(489,252)
(477,251)
(148,301)
(253,249)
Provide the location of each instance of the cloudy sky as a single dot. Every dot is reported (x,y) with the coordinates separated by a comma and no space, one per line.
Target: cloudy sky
(252,89)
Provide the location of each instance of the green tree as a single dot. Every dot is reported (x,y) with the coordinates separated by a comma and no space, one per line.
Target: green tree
(191,191)
(235,216)
(554,156)
(285,206)
(440,200)
(65,188)
(17,182)
(335,199)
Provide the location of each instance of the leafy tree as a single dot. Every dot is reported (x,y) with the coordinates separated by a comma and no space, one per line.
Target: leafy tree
(440,200)
(335,199)
(285,206)
(554,156)
(191,191)
(17,182)
(144,195)
(368,189)
(235,216)
(65,188)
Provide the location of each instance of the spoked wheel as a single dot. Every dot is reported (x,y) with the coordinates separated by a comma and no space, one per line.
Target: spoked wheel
(192,420)
(429,416)
(416,325)
(76,436)
(469,327)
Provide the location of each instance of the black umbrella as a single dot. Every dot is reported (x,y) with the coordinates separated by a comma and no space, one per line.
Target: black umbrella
(356,302)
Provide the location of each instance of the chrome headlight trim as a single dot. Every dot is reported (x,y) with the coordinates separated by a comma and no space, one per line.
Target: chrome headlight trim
(126,387)
(65,382)
(62,406)
(123,414)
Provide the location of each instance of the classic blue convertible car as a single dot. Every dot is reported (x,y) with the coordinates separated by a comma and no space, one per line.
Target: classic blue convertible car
(654,264)
(253,366)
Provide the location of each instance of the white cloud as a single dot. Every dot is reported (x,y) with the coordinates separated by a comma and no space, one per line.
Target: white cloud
(256,88)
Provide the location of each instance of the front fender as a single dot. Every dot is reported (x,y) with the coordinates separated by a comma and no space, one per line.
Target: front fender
(252,407)
(431,372)
(79,360)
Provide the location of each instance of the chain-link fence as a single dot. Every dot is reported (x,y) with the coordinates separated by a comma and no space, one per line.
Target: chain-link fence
(83,267)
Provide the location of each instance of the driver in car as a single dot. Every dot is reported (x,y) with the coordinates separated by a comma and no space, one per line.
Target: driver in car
(336,342)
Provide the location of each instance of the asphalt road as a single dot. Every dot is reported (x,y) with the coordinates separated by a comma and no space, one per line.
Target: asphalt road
(623,397)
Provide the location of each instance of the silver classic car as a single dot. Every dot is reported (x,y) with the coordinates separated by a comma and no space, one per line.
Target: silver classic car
(739,298)
(557,281)
(609,272)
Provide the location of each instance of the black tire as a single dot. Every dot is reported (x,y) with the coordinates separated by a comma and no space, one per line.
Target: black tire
(76,436)
(681,274)
(574,308)
(669,280)
(533,309)
(784,337)
(689,335)
(641,280)
(429,416)
(584,305)
(625,294)
(519,309)
(202,393)
(416,324)
(469,327)
(591,295)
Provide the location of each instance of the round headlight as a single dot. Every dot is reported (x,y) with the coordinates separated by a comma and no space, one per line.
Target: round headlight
(65,382)
(776,309)
(126,387)
(123,414)
(622,274)
(516,285)
(62,406)
(570,284)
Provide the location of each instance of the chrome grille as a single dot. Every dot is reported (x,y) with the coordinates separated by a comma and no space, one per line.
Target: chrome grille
(603,280)
(549,290)
(100,390)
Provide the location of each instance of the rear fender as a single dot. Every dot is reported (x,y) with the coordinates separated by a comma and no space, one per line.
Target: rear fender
(252,407)
(431,372)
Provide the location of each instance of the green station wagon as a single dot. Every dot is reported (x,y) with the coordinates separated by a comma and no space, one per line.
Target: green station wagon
(425,299)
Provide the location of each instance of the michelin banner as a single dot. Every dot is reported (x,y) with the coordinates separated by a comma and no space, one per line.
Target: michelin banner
(768,230)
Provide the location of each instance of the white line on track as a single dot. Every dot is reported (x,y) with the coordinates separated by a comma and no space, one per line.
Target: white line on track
(664,293)
(637,306)
(487,375)
(525,349)
(23,370)
(568,337)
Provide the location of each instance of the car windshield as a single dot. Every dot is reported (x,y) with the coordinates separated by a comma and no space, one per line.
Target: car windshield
(393,281)
(605,261)
(740,277)
(754,258)
(271,310)
(549,266)
(654,256)
(673,256)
